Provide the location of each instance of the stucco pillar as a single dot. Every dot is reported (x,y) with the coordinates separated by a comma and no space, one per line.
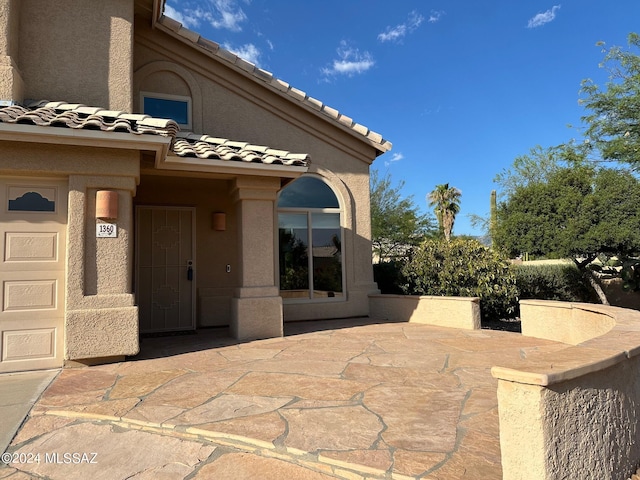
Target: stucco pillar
(11,83)
(101,319)
(257,305)
(522,436)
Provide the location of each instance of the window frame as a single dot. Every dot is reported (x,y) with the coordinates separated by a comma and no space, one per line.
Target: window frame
(175,98)
(309,211)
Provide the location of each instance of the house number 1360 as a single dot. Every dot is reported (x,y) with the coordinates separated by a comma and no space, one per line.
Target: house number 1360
(106,230)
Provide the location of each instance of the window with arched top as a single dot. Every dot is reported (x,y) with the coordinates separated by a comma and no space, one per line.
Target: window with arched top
(310,241)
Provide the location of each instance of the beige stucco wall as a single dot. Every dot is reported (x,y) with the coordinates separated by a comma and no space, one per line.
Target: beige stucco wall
(227,104)
(563,321)
(11,84)
(583,428)
(573,410)
(33,159)
(593,424)
(454,312)
(77,51)
(9,15)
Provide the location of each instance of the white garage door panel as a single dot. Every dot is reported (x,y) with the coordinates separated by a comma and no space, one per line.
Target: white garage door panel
(21,295)
(35,345)
(30,247)
(33,218)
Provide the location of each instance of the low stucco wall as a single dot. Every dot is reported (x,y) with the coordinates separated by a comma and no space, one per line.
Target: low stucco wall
(455,312)
(565,322)
(573,412)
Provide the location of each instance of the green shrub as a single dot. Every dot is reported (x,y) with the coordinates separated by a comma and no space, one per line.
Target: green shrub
(561,281)
(389,277)
(464,268)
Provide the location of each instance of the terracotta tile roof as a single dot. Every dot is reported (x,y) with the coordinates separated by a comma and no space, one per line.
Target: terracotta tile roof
(184,144)
(214,49)
(204,146)
(78,116)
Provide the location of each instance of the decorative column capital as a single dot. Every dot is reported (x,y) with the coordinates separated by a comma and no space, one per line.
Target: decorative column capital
(255,188)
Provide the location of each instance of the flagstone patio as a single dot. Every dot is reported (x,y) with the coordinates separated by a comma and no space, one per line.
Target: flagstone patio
(348,400)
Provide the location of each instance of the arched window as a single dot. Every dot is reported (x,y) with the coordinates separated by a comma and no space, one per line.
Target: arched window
(310,241)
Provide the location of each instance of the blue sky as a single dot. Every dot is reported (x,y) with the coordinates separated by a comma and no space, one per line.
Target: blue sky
(460,87)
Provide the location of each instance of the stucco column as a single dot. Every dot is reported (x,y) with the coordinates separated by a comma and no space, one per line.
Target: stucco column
(11,83)
(101,319)
(522,436)
(257,305)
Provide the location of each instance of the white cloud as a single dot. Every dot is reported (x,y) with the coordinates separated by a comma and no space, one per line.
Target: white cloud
(395,158)
(350,61)
(186,18)
(543,18)
(248,52)
(435,16)
(230,16)
(221,14)
(399,31)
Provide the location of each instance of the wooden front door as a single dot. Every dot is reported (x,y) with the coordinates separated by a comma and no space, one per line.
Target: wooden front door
(165,268)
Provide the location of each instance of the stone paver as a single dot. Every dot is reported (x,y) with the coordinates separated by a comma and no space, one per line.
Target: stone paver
(372,401)
(243,465)
(84,450)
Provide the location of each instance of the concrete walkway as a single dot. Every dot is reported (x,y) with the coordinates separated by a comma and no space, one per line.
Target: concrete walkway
(373,401)
(18,393)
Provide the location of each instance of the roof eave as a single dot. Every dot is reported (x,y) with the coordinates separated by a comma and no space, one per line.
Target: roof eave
(191,164)
(85,138)
(157,8)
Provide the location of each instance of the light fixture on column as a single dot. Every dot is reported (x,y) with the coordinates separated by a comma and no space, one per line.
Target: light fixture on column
(107,204)
(219,221)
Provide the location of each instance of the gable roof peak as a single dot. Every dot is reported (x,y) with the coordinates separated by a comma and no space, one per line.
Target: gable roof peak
(212,48)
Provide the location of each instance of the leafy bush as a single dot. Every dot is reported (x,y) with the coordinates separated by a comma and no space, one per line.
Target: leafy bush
(561,281)
(464,268)
(389,276)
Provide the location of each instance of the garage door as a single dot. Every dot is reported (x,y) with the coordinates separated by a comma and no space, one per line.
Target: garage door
(33,222)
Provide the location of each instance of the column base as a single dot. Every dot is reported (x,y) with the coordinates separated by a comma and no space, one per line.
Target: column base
(89,362)
(101,332)
(256,318)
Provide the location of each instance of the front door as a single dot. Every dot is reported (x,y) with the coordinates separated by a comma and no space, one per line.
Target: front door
(165,268)
(33,229)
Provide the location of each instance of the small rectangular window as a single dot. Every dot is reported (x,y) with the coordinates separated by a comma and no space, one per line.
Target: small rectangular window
(31,199)
(175,107)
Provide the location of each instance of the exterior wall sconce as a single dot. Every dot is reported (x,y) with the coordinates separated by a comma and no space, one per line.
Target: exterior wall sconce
(219,221)
(106,204)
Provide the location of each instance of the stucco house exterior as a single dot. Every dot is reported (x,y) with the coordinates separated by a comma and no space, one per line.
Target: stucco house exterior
(151,181)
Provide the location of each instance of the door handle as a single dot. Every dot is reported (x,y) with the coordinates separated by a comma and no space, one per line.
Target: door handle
(190,270)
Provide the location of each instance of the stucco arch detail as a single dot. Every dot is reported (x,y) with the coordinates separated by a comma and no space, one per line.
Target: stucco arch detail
(187,77)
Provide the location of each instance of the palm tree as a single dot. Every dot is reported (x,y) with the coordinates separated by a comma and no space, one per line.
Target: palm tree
(446,203)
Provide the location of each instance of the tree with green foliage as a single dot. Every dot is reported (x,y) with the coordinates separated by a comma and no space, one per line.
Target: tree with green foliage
(536,166)
(577,213)
(613,124)
(446,203)
(464,268)
(561,281)
(396,223)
